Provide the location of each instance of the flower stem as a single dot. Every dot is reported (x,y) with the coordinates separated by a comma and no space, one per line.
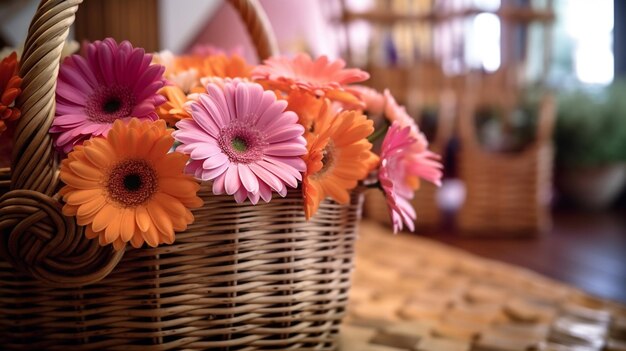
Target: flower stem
(375,185)
(379,133)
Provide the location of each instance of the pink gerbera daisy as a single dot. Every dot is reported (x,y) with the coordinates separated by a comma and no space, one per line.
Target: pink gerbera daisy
(241,138)
(402,164)
(112,82)
(373,100)
(394,112)
(320,77)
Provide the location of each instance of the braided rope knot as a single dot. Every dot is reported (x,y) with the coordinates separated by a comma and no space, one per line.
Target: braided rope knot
(39,240)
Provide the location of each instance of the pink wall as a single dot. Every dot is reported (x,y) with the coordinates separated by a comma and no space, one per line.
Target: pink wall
(299,25)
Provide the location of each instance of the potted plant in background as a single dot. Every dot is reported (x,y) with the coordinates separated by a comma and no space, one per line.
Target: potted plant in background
(590,138)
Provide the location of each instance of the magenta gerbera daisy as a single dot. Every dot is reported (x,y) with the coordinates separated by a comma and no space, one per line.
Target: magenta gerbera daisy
(114,81)
(403,161)
(241,138)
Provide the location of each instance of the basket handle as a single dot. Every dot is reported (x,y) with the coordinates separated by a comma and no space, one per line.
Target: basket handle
(258,26)
(34,235)
(545,121)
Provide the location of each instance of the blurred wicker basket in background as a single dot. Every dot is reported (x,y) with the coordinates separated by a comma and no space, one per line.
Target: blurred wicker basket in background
(506,193)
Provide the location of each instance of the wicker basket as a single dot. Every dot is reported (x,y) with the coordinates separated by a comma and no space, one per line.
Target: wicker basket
(242,277)
(508,194)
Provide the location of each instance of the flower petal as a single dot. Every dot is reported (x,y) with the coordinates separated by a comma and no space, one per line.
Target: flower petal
(85,171)
(127,224)
(248,179)
(142,218)
(82,196)
(232,182)
(160,219)
(112,231)
(104,217)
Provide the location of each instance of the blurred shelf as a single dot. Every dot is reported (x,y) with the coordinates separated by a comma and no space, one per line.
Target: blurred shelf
(521,15)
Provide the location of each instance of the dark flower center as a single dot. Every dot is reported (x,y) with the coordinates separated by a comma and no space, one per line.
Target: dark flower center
(109,103)
(112,105)
(132,182)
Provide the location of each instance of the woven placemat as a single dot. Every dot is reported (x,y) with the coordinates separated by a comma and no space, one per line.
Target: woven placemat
(411,293)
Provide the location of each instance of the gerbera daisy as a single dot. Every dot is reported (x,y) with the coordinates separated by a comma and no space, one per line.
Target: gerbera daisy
(306,106)
(128,188)
(321,77)
(373,100)
(339,156)
(188,81)
(186,71)
(220,82)
(244,141)
(394,112)
(216,68)
(113,82)
(401,165)
(173,110)
(189,76)
(166,59)
(226,67)
(9,90)
(212,66)
(185,79)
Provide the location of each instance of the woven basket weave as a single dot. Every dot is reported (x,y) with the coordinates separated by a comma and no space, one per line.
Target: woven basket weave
(241,277)
(508,194)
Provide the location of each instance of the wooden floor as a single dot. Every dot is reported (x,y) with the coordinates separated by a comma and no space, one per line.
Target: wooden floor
(584,249)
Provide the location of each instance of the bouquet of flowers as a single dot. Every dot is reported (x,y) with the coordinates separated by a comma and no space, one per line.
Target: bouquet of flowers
(138,131)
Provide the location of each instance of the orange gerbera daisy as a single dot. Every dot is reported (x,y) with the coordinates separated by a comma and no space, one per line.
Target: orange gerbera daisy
(189,75)
(306,106)
(173,110)
(339,155)
(9,90)
(187,62)
(226,67)
(128,187)
(218,65)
